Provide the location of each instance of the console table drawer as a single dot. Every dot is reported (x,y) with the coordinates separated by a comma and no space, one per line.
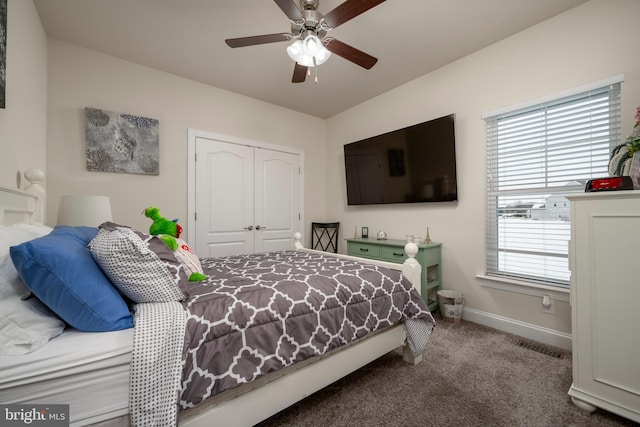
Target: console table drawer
(364,250)
(393,254)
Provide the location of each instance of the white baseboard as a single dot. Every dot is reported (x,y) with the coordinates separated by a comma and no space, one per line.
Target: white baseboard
(525,330)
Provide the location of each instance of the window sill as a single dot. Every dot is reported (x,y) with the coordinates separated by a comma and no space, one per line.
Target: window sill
(522,287)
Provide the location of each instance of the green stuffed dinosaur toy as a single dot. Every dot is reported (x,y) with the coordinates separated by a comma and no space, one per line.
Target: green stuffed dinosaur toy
(169,232)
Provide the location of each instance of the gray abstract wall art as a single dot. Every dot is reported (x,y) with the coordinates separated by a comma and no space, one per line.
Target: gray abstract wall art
(122,143)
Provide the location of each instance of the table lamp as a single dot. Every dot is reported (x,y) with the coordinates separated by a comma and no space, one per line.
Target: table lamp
(89,211)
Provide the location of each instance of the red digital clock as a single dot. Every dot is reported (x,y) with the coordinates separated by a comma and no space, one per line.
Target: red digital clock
(610,183)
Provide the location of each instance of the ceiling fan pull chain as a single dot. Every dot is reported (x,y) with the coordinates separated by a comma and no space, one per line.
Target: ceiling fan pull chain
(315,66)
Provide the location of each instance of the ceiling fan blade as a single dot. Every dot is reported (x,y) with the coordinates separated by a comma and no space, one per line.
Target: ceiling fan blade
(348,10)
(290,9)
(254,40)
(350,53)
(299,73)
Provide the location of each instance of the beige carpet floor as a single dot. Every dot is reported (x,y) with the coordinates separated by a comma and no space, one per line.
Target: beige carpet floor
(471,376)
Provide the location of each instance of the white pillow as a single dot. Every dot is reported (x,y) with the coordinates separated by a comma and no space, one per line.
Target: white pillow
(38,230)
(11,236)
(14,235)
(25,323)
(11,285)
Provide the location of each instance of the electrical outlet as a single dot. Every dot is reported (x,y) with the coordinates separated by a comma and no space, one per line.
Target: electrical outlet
(548,305)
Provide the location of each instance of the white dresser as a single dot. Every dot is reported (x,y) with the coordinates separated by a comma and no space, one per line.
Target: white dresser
(604,257)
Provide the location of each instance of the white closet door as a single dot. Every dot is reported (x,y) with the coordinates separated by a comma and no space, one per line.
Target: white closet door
(247,199)
(224,198)
(277,217)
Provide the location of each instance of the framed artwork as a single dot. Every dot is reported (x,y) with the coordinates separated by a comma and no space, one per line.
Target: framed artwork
(365,232)
(123,143)
(3,51)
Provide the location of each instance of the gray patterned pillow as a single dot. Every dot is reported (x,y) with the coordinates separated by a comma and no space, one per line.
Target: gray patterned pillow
(141,266)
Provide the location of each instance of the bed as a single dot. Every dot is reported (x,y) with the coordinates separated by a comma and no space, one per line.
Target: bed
(102,375)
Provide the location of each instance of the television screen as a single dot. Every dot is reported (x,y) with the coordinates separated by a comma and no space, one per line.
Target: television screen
(410,165)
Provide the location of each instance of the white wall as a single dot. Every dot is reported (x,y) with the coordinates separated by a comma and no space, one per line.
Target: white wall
(23,122)
(594,41)
(81,78)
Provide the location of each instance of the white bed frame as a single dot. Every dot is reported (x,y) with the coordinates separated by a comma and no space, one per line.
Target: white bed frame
(267,397)
(23,205)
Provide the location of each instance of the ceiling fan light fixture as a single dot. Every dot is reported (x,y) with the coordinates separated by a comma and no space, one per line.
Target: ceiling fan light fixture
(299,54)
(311,45)
(306,60)
(295,51)
(322,55)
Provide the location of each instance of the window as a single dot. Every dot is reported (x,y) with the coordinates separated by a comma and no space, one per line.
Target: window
(535,155)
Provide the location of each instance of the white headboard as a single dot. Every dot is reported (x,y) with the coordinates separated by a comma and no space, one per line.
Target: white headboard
(23,205)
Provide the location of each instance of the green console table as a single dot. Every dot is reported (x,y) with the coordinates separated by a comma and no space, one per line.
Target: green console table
(393,251)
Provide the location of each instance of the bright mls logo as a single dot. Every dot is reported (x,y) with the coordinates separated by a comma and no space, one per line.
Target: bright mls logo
(34,415)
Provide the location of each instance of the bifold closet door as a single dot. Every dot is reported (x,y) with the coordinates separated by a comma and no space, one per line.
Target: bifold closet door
(276,202)
(247,198)
(224,199)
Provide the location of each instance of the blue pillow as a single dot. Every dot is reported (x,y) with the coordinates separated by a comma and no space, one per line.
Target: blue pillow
(59,269)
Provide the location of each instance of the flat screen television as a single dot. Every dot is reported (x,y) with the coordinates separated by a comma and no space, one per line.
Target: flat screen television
(411,165)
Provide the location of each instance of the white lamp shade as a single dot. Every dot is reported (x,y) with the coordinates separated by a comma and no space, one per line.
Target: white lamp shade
(311,45)
(90,211)
(322,55)
(295,50)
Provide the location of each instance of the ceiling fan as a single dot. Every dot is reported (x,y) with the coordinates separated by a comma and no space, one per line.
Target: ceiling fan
(309,28)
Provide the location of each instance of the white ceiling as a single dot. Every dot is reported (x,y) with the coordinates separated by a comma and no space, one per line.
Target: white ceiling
(186,37)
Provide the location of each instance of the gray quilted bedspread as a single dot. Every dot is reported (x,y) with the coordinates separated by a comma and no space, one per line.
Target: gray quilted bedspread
(259,313)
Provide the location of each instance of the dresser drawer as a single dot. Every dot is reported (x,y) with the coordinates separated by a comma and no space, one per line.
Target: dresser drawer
(366,250)
(393,254)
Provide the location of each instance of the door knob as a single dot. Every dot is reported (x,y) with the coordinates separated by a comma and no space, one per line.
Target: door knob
(249,228)
(259,227)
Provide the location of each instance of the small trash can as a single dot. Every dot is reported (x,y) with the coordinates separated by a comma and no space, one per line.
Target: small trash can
(451,305)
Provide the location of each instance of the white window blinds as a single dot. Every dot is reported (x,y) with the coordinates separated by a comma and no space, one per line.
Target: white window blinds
(535,155)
